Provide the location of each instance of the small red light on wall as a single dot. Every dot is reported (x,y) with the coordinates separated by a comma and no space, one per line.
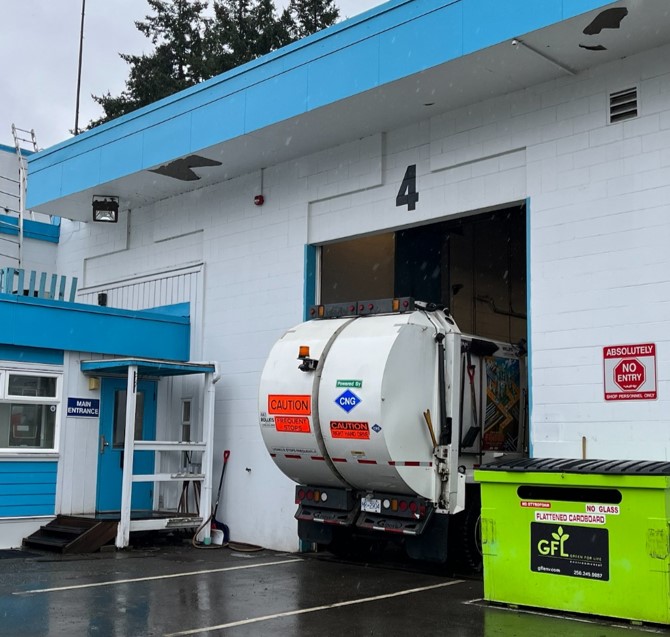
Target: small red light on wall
(259,200)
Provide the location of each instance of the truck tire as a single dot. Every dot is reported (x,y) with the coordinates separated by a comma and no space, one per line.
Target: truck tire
(470,531)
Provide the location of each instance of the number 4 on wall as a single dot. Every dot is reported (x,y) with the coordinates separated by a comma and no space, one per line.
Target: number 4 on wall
(408,195)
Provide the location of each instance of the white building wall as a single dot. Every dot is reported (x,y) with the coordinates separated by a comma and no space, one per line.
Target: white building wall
(597,198)
(79,444)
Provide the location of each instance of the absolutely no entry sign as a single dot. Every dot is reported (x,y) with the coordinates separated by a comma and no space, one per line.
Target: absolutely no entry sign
(630,372)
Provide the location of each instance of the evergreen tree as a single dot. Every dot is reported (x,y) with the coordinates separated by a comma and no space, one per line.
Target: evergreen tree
(310,16)
(243,30)
(176,29)
(189,47)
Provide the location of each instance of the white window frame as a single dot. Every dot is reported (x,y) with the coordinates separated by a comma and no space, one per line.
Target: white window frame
(7,398)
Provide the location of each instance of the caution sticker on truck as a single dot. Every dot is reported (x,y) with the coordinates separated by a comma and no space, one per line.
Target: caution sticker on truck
(292,424)
(290,405)
(350,430)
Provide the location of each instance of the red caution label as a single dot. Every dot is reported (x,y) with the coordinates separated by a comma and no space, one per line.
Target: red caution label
(351,430)
(291,405)
(292,424)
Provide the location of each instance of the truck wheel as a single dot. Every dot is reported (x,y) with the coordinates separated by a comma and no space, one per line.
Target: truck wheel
(471,532)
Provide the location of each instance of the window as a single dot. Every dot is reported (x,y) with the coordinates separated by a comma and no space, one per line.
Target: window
(29,406)
(186,420)
(187,456)
(119,433)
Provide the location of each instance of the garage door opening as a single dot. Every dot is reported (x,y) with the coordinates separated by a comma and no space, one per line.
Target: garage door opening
(475,266)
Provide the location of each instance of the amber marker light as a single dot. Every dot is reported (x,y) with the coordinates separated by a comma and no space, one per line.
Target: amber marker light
(303,351)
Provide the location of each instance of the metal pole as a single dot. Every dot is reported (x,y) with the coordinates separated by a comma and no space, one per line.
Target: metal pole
(123,530)
(81,52)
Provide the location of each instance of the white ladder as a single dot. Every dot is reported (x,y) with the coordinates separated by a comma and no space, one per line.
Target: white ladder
(22,136)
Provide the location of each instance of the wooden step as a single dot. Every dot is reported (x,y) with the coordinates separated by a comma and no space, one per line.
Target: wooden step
(69,534)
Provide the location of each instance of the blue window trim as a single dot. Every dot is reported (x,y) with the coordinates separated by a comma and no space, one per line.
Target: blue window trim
(309,288)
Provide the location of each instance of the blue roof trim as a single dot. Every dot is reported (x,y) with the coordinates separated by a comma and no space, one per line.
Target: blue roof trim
(31,355)
(176,309)
(49,232)
(48,324)
(301,77)
(10,149)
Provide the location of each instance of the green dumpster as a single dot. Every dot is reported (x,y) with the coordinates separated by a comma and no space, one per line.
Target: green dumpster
(584,536)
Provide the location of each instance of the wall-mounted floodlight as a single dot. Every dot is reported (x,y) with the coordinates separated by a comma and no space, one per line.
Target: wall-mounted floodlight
(105,209)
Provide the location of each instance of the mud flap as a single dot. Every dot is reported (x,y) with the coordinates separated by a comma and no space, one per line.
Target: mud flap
(432,544)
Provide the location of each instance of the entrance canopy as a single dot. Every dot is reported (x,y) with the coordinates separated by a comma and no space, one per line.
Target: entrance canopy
(145,367)
(133,369)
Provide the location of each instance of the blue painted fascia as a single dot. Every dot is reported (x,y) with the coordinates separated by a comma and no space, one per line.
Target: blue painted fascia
(49,232)
(10,149)
(31,355)
(176,309)
(345,60)
(48,324)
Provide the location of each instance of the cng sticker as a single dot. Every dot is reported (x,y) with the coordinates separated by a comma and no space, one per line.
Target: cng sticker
(350,430)
(347,400)
(292,424)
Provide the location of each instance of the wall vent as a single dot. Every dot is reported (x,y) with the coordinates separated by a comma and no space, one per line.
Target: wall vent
(623,105)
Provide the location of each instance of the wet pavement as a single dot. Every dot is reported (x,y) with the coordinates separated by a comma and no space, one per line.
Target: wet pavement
(179,590)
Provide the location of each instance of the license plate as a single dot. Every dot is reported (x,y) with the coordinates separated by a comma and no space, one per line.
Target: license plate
(371,505)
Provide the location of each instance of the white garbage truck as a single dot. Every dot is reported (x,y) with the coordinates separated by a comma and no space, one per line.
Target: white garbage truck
(379,411)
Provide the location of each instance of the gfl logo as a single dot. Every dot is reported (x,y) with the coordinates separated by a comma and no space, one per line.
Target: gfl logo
(554,547)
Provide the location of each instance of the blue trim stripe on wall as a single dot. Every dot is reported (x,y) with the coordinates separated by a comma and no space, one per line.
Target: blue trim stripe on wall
(10,149)
(31,355)
(27,488)
(37,230)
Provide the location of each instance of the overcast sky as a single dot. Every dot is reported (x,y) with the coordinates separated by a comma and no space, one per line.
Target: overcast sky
(38,57)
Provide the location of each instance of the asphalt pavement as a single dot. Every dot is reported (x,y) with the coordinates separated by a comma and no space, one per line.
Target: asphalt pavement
(176,590)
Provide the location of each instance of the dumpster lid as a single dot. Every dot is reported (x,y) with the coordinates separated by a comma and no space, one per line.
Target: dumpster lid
(563,465)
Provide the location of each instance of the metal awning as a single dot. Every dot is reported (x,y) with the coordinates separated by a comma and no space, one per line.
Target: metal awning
(145,367)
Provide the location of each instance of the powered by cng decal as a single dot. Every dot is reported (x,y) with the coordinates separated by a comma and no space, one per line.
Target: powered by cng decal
(575,551)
